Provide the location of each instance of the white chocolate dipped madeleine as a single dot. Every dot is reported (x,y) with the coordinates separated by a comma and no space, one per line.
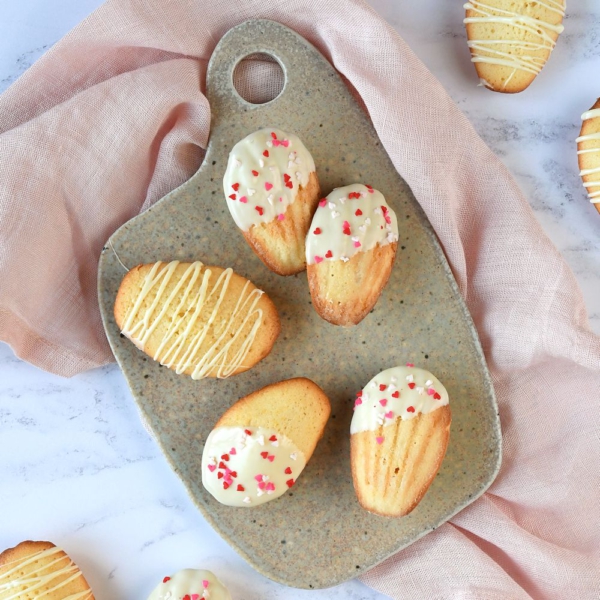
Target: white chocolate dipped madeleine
(41,570)
(399,435)
(350,250)
(198,320)
(588,151)
(190,584)
(259,447)
(272,190)
(511,40)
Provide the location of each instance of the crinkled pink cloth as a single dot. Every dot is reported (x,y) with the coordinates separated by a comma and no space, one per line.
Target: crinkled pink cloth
(113,117)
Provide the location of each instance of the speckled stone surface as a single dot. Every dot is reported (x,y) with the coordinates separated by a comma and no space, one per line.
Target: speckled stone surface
(316,535)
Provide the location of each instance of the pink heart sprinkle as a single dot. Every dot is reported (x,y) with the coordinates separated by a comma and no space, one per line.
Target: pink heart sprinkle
(379,440)
(232,451)
(268,186)
(227,471)
(323,202)
(262,485)
(357,244)
(205,583)
(383,402)
(243,199)
(270,487)
(211,468)
(346,225)
(389,415)
(276,142)
(409,365)
(318,259)
(258,477)
(271,458)
(357,402)
(431,391)
(285,143)
(195,596)
(281,217)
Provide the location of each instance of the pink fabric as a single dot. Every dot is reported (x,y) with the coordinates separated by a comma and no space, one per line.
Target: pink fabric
(114,116)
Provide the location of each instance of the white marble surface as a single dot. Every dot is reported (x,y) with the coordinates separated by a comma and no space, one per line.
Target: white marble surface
(76,465)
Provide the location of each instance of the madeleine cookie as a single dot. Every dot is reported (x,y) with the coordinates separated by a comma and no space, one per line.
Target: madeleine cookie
(272,191)
(399,434)
(588,150)
(198,320)
(350,250)
(190,584)
(40,570)
(262,443)
(511,40)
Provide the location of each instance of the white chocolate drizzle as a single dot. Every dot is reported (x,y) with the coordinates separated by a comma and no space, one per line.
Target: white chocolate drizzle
(397,393)
(594,196)
(191,584)
(249,466)
(264,173)
(488,51)
(44,575)
(179,347)
(352,219)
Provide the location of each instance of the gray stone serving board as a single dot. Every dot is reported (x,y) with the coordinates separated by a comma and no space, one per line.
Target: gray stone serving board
(316,535)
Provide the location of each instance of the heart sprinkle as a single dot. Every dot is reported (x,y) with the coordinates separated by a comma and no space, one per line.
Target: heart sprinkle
(266,153)
(288,471)
(166,579)
(243,199)
(379,440)
(317,231)
(290,482)
(268,186)
(329,254)
(410,409)
(383,402)
(358,212)
(255,173)
(412,386)
(396,395)
(318,259)
(382,387)
(232,196)
(323,202)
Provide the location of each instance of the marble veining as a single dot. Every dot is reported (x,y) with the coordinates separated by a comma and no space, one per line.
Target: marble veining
(81,469)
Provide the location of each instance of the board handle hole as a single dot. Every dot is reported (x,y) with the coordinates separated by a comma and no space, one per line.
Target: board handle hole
(258,78)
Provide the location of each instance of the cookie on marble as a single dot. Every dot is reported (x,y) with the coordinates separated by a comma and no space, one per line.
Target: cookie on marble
(41,570)
(588,151)
(198,320)
(272,190)
(511,40)
(398,438)
(350,250)
(190,584)
(259,447)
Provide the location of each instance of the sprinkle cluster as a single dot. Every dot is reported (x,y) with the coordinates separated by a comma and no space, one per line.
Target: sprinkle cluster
(204,595)
(400,392)
(351,219)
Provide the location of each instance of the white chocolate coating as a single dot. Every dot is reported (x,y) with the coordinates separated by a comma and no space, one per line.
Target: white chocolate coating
(190,584)
(45,576)
(488,13)
(178,351)
(249,466)
(264,173)
(595,182)
(352,219)
(403,392)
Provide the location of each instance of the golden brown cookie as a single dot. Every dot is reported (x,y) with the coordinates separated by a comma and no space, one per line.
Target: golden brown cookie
(511,40)
(198,320)
(34,570)
(588,151)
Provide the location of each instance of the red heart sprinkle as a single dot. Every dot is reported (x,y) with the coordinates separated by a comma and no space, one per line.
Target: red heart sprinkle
(186,597)
(329,254)
(273,438)
(290,482)
(412,386)
(359,393)
(410,409)
(225,456)
(233,473)
(317,231)
(241,488)
(369,188)
(396,395)
(264,454)
(236,187)
(358,212)
(255,173)
(222,465)
(289,184)
(288,471)
(437,396)
(286,177)
(233,196)
(382,387)
(273,135)
(347,232)
(259,210)
(266,153)
(166,579)
(247,432)
(220,475)
(225,485)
